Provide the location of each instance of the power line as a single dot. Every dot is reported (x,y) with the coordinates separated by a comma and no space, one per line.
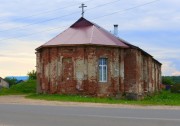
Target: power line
(35,33)
(45,12)
(103,5)
(128,9)
(21,27)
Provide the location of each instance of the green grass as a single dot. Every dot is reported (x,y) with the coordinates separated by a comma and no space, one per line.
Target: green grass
(21,88)
(164,98)
(29,88)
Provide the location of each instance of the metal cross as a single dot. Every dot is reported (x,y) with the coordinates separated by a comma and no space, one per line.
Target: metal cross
(82,6)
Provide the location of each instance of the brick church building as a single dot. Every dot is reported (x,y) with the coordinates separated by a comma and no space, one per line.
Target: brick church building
(88,60)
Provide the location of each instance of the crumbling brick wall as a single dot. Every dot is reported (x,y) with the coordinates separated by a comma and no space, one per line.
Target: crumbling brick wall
(142,74)
(74,70)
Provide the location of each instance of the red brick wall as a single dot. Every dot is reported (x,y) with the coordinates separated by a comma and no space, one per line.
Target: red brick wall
(142,74)
(74,70)
(51,78)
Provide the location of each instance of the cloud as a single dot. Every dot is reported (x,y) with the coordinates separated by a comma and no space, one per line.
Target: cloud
(165,53)
(16,66)
(162,15)
(20,55)
(149,25)
(176,73)
(169,68)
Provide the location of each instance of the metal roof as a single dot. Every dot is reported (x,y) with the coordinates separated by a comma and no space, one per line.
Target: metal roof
(84,32)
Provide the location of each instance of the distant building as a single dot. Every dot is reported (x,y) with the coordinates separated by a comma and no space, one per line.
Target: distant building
(88,60)
(3,83)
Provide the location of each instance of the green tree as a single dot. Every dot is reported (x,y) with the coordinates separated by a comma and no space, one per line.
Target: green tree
(176,79)
(32,75)
(167,80)
(11,81)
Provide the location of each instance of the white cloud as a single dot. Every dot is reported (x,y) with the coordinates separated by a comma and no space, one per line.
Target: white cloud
(176,73)
(165,53)
(162,15)
(16,66)
(168,68)
(17,55)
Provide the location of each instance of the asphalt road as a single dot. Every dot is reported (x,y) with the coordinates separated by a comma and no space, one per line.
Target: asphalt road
(36,115)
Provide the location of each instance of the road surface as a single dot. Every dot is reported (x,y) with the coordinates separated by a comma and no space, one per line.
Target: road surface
(40,115)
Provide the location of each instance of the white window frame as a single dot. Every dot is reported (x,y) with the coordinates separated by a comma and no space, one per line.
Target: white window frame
(103,64)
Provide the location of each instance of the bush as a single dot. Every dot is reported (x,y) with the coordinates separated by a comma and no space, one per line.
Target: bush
(175,88)
(21,88)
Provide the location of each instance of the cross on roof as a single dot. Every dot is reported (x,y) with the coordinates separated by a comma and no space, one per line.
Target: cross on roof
(82,6)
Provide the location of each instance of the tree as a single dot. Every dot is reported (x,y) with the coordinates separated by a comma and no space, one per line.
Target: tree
(11,81)
(167,80)
(176,79)
(32,75)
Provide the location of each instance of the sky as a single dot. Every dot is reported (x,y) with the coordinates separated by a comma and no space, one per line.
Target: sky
(153,25)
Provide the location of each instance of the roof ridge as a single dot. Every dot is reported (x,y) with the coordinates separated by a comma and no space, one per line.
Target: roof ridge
(80,19)
(84,32)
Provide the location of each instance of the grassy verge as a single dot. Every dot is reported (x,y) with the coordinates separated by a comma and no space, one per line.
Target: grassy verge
(164,98)
(21,88)
(29,88)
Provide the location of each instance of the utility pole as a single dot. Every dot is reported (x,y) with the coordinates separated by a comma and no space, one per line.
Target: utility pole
(82,6)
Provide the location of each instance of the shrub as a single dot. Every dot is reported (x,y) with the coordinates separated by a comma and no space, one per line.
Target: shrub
(21,88)
(25,87)
(32,75)
(175,88)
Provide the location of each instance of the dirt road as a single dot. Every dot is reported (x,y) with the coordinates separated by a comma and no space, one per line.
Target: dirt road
(20,99)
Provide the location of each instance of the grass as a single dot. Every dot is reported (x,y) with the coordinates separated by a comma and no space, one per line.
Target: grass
(21,88)
(164,98)
(29,88)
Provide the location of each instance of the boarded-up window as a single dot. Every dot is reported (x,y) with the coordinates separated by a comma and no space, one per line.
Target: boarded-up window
(67,69)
